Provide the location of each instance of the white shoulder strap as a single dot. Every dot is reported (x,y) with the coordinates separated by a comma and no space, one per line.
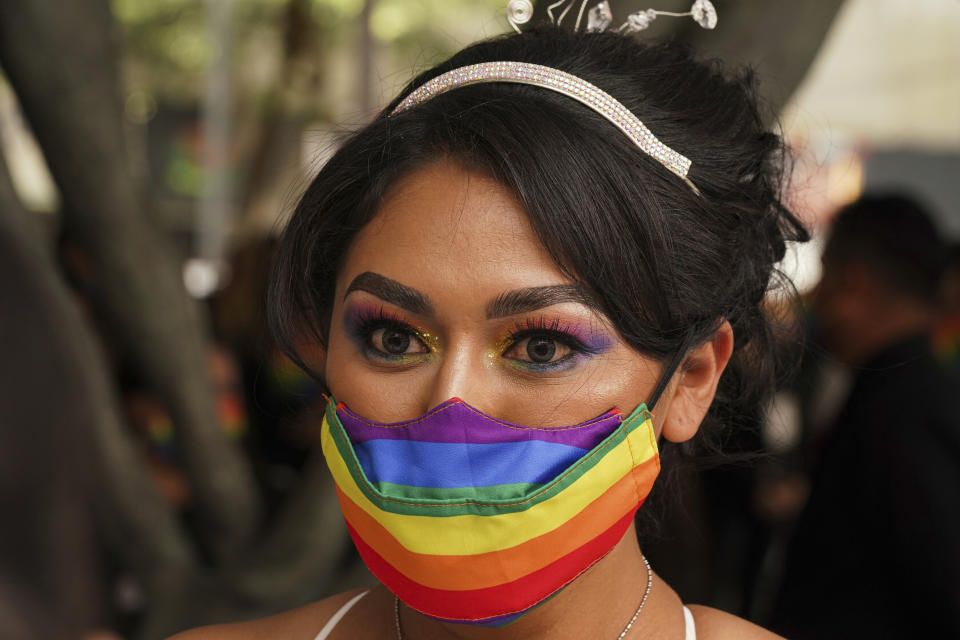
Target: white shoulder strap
(691,632)
(342,611)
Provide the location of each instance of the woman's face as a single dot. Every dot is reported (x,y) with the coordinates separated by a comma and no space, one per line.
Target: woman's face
(449,293)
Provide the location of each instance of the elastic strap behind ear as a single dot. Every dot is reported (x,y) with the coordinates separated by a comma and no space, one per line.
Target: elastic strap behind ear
(670,369)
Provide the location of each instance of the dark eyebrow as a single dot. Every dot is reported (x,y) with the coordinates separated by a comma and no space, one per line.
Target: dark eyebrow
(393,292)
(525,300)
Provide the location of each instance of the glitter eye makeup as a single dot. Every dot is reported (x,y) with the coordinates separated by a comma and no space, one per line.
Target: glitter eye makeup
(539,346)
(386,336)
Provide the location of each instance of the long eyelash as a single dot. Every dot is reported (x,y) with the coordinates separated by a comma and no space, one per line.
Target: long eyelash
(366,321)
(553,328)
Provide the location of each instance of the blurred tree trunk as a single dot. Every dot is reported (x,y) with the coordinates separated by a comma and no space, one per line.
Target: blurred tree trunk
(62,441)
(277,130)
(41,459)
(62,61)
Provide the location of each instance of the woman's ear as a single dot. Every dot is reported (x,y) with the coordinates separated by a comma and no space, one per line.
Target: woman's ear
(692,390)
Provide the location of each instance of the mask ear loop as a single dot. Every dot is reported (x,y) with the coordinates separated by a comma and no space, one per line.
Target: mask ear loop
(669,370)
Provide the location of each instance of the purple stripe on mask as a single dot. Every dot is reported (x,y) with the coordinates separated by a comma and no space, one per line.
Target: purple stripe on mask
(456,421)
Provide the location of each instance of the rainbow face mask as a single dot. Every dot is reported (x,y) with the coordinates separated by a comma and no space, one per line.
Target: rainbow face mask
(471,519)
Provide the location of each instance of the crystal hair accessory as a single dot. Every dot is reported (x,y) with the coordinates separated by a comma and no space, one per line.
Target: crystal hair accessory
(519,12)
(600,16)
(561,82)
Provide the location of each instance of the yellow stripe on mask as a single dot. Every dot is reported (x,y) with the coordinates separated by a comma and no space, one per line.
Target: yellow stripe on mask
(470,534)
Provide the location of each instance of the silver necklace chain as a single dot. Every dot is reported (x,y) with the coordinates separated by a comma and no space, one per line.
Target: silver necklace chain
(623,634)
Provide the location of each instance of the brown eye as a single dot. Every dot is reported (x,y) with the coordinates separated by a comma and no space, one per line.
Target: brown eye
(396,342)
(538,349)
(541,349)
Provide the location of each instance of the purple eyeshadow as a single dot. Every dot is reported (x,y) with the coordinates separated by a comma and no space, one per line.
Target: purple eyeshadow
(593,341)
(357,317)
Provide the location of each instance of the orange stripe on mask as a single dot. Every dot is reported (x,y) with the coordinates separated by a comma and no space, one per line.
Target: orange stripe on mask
(484,570)
(513,597)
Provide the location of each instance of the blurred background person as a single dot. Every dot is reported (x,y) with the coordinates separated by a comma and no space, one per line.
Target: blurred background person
(877,548)
(946,334)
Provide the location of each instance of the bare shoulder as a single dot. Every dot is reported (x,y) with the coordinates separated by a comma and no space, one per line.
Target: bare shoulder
(713,624)
(303,622)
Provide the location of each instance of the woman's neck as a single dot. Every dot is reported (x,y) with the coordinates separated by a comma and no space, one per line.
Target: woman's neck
(598,604)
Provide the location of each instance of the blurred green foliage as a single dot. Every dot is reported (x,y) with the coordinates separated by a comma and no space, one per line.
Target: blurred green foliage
(168,46)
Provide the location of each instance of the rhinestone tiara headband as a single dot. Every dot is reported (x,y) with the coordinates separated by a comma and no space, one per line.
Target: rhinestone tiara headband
(561,82)
(598,19)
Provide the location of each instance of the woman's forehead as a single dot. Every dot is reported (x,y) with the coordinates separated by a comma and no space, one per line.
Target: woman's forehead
(444,230)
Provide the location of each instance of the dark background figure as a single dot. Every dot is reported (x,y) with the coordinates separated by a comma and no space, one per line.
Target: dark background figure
(877,548)
(946,335)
